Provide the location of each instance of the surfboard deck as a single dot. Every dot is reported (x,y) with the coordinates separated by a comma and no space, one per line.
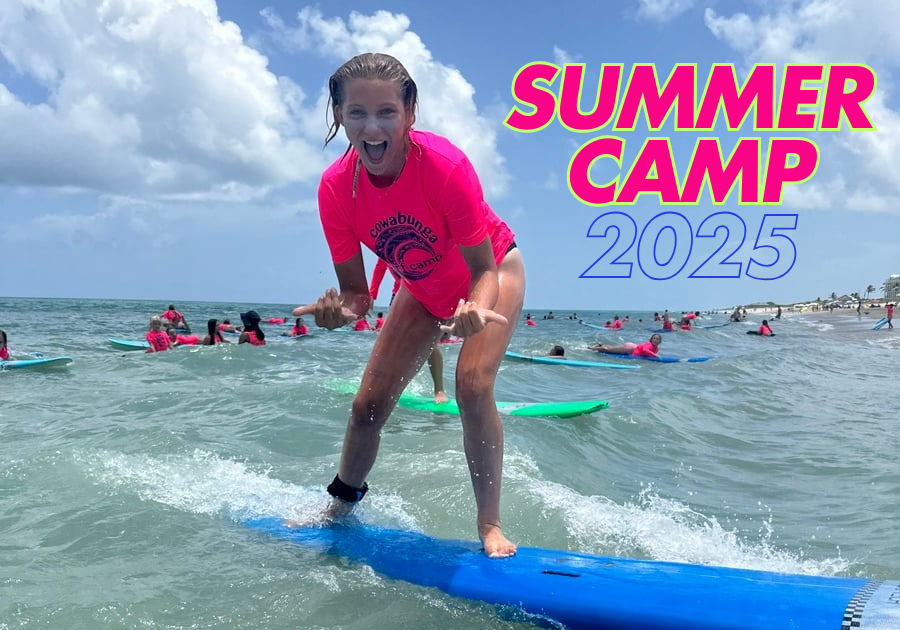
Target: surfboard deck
(125,344)
(565,409)
(659,359)
(43,362)
(570,362)
(561,409)
(881,324)
(587,591)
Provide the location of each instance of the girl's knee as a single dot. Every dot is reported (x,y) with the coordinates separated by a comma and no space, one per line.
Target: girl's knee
(368,412)
(474,384)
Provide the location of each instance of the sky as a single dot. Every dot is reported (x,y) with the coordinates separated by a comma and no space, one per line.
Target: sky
(171,149)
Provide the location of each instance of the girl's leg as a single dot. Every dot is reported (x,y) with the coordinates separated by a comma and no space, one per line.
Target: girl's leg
(436,367)
(476,371)
(401,348)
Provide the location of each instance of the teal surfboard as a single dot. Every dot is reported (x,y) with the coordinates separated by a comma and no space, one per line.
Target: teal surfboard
(43,362)
(568,409)
(581,591)
(881,324)
(124,344)
(569,362)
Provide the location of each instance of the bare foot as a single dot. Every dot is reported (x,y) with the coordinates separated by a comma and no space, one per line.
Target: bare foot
(496,545)
(440,397)
(336,510)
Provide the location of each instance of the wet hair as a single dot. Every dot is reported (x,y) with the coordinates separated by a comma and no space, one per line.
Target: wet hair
(369,66)
(212,329)
(557,351)
(2,337)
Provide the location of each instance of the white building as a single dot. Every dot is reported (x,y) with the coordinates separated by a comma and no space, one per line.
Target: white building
(892,288)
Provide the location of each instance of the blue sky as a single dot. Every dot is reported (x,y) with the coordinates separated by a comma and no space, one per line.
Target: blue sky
(170,149)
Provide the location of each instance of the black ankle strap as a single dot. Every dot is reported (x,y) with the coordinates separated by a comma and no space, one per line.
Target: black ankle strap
(342,491)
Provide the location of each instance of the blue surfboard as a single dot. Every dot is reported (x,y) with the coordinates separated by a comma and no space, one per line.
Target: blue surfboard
(43,362)
(881,324)
(587,591)
(659,359)
(570,362)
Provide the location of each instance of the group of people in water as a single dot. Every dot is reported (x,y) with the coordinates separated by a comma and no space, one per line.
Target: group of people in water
(170,330)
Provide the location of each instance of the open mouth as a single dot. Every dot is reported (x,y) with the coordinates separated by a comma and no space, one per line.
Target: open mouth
(375,150)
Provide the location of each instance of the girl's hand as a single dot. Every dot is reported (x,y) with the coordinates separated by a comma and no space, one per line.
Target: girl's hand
(328,310)
(469,319)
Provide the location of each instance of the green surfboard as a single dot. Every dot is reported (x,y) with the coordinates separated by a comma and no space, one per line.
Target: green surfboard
(567,409)
(563,409)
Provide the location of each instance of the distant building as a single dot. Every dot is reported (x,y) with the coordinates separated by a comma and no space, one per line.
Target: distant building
(892,287)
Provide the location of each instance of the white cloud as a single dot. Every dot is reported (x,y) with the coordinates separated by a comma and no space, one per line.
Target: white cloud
(145,97)
(446,98)
(562,57)
(552,181)
(663,10)
(832,31)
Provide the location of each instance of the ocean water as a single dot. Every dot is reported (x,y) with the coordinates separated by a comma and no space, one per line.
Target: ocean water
(123,474)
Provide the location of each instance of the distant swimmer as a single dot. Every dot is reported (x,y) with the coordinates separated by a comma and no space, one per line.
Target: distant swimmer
(181,340)
(175,318)
(646,349)
(557,351)
(529,321)
(362,324)
(213,334)
(157,337)
(252,334)
(299,328)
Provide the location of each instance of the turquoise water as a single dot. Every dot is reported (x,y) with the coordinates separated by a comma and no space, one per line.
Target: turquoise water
(121,475)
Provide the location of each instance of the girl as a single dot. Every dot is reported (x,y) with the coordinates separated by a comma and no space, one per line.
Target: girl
(213,334)
(4,350)
(156,336)
(252,333)
(415,200)
(646,349)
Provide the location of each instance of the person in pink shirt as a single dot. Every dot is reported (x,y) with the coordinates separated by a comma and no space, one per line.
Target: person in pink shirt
(529,321)
(362,324)
(764,329)
(4,349)
(379,321)
(415,200)
(252,333)
(213,334)
(157,337)
(889,313)
(646,349)
(299,328)
(181,340)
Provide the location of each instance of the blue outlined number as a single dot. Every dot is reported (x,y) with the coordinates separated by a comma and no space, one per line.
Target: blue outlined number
(667,241)
(656,237)
(727,221)
(623,225)
(776,223)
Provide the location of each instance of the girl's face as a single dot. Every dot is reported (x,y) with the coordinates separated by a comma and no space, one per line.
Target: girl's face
(376,123)
(155,325)
(656,339)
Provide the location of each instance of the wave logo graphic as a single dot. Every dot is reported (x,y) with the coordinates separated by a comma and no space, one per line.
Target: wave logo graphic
(407,251)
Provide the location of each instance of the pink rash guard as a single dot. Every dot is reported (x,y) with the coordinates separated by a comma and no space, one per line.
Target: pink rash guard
(416,224)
